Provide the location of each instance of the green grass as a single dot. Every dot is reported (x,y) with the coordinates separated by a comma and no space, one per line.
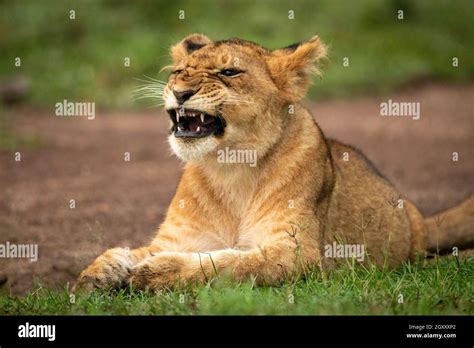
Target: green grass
(441,287)
(10,141)
(82,59)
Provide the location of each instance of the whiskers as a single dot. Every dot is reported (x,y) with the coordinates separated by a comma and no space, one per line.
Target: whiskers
(153,90)
(150,89)
(232,99)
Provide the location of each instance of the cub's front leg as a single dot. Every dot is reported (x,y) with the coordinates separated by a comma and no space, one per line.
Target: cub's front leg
(111,269)
(280,258)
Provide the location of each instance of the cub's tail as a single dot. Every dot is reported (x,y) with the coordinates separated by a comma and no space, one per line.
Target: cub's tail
(452,228)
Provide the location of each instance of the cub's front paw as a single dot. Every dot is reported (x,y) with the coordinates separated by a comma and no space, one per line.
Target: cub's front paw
(110,270)
(157,272)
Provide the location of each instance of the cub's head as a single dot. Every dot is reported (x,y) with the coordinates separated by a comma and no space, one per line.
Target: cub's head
(233,93)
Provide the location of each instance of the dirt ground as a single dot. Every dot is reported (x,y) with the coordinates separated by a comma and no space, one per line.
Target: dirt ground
(120,203)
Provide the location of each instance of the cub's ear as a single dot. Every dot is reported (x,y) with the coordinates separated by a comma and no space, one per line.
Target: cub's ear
(188,45)
(291,67)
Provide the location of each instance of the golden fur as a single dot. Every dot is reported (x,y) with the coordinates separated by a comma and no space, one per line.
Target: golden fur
(272,221)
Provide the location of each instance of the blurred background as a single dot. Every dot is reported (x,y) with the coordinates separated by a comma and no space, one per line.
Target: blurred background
(121,203)
(84,58)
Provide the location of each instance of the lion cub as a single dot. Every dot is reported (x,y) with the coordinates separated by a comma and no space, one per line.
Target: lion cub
(306,201)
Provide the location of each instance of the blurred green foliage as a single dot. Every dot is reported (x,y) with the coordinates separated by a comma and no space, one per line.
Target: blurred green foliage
(83,59)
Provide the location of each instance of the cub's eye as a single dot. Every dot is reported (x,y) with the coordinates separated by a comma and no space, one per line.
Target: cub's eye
(230,72)
(176,71)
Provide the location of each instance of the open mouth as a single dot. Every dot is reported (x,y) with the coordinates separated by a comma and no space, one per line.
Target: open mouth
(195,123)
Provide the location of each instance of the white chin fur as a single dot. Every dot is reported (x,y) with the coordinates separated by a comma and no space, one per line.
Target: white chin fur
(194,151)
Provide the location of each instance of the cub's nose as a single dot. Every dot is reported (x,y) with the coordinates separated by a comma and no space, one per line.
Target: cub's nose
(183,96)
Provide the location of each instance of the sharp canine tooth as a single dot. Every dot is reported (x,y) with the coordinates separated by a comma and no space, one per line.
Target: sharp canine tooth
(177,117)
(202,118)
(198,129)
(180,129)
